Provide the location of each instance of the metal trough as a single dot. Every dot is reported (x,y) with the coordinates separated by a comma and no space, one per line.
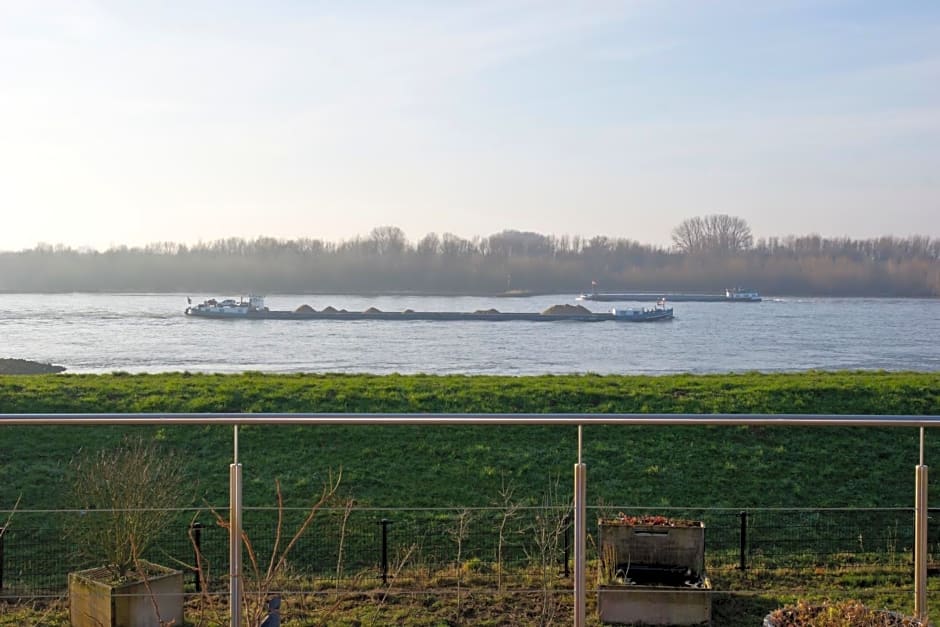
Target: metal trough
(653,574)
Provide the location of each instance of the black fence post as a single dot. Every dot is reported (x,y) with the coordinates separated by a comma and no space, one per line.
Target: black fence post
(743,564)
(385,522)
(196,531)
(567,543)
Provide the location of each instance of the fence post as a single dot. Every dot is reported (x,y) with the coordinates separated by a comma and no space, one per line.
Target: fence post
(743,516)
(385,522)
(196,530)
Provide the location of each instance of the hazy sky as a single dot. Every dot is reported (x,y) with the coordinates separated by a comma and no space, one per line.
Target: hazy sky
(185,120)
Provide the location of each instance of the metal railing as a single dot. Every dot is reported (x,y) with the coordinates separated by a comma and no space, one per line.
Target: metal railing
(580,477)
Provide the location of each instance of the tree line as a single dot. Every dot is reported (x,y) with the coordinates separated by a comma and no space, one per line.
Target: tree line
(709,254)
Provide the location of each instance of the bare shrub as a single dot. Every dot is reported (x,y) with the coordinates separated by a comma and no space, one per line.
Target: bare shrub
(127,496)
(547,531)
(510,509)
(263,576)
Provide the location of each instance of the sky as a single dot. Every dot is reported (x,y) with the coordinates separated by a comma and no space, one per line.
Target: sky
(127,123)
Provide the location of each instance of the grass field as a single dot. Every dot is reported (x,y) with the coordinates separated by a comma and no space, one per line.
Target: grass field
(649,467)
(466,466)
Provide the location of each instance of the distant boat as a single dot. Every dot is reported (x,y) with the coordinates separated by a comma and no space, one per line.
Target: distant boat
(732,295)
(213,308)
(646,314)
(739,294)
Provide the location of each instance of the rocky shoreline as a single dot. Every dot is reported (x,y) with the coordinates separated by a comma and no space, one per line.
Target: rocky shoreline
(24,366)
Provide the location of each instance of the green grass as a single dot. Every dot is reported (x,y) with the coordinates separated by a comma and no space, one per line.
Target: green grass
(412,466)
(694,467)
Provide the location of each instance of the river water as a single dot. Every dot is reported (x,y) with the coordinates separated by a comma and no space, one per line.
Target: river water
(99,333)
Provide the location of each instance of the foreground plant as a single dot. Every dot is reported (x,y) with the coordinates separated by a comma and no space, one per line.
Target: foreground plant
(842,614)
(261,580)
(127,495)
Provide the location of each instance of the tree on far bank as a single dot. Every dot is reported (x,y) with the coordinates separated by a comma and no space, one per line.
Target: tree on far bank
(719,233)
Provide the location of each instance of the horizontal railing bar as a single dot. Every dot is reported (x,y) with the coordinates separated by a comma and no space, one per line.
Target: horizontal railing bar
(426,419)
(479,508)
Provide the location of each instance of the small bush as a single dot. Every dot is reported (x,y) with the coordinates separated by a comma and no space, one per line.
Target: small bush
(127,495)
(843,614)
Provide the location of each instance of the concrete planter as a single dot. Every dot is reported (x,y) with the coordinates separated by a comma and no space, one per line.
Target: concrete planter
(654,605)
(95,603)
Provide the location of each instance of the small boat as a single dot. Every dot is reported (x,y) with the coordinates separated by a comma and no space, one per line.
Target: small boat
(646,314)
(741,295)
(226,307)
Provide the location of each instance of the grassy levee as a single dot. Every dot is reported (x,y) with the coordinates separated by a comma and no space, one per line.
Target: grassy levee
(436,466)
(465,466)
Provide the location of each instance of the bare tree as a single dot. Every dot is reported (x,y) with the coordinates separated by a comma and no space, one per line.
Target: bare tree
(728,234)
(689,236)
(388,240)
(714,233)
(429,245)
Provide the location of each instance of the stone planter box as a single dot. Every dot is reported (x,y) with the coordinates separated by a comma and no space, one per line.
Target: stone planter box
(654,605)
(95,603)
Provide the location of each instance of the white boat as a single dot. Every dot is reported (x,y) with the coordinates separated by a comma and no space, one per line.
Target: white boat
(226,307)
(739,294)
(646,314)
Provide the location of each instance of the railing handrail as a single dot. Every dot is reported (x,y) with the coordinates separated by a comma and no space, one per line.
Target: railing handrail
(365,418)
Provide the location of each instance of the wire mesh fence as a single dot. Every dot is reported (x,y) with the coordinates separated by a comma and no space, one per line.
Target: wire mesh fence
(355,547)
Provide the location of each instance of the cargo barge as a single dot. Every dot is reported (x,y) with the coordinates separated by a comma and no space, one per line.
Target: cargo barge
(253,308)
(736,295)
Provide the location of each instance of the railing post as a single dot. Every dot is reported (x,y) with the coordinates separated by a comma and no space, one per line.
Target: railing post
(235,544)
(196,531)
(743,564)
(580,543)
(920,536)
(385,522)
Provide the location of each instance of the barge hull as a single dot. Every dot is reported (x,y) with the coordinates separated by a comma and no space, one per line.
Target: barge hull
(681,298)
(425,315)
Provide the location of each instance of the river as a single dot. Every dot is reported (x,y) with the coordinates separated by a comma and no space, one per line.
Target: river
(100,333)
